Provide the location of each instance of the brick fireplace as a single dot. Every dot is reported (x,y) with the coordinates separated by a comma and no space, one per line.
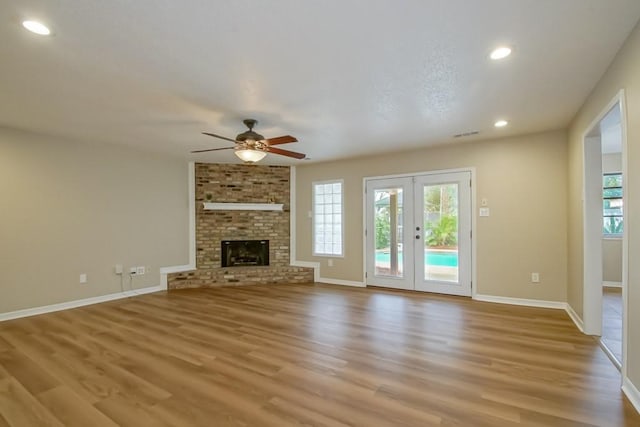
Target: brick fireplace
(259,187)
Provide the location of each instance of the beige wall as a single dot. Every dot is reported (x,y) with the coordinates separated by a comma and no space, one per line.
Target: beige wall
(71,208)
(612,260)
(624,73)
(524,180)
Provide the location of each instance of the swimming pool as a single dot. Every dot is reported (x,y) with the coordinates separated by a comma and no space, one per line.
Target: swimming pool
(439,258)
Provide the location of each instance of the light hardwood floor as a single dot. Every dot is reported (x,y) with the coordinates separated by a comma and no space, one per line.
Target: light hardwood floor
(612,321)
(315,355)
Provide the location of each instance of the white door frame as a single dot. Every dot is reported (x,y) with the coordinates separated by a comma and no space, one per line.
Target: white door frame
(462,180)
(592,235)
(474,257)
(405,281)
(592,241)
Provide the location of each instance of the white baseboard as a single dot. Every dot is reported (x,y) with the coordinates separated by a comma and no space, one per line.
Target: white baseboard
(328,280)
(77,303)
(610,355)
(574,316)
(521,301)
(632,393)
(331,281)
(536,303)
(607,284)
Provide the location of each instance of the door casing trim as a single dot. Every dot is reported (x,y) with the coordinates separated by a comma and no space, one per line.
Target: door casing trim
(472,171)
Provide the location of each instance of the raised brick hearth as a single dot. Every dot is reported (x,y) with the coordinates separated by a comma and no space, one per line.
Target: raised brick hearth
(226,183)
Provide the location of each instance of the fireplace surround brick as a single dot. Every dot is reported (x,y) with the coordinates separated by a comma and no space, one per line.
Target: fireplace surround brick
(229,183)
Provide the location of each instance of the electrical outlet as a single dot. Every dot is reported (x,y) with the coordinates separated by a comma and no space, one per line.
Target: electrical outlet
(83,278)
(133,270)
(535,278)
(118,269)
(140,270)
(330,263)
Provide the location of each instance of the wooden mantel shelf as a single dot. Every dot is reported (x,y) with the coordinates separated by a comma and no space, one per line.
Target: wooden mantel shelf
(243,206)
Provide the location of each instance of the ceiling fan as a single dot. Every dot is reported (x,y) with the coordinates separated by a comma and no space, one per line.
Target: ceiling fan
(251,147)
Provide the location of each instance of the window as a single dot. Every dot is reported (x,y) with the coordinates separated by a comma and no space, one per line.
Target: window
(612,204)
(327,218)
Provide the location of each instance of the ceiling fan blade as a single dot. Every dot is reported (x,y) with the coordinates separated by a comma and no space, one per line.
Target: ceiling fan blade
(218,136)
(285,153)
(213,149)
(280,140)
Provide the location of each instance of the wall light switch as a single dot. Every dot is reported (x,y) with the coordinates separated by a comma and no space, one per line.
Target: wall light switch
(330,263)
(83,278)
(484,211)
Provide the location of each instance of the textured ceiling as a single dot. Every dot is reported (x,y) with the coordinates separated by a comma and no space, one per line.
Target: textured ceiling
(347,78)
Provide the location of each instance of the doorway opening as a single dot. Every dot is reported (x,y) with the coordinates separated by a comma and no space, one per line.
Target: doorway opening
(605,242)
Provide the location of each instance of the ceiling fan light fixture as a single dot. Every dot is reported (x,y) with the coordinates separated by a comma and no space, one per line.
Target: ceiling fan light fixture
(250,156)
(251,147)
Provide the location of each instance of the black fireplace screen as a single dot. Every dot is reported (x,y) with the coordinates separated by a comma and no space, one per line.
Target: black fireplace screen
(242,253)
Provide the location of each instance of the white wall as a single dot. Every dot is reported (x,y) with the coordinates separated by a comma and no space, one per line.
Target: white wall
(612,162)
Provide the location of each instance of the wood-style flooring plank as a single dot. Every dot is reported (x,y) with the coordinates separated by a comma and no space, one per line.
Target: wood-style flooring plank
(31,375)
(72,410)
(314,355)
(18,407)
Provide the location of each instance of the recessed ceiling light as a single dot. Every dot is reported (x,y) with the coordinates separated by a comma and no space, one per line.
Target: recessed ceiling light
(501,123)
(500,53)
(36,27)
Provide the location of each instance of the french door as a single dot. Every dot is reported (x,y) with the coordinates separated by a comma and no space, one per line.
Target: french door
(418,233)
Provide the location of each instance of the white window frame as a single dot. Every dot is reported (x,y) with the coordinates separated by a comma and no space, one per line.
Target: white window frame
(613,235)
(313,218)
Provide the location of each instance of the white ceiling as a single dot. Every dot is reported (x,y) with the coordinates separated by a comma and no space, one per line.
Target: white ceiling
(346,77)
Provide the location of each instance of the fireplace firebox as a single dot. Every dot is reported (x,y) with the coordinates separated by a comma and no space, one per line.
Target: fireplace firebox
(244,253)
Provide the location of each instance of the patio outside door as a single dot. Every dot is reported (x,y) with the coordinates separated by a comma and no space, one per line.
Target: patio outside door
(418,233)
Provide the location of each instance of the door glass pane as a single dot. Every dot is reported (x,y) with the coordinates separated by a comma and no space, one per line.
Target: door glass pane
(440,237)
(388,206)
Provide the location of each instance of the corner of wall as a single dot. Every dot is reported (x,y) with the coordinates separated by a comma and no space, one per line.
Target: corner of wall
(165,271)
(574,316)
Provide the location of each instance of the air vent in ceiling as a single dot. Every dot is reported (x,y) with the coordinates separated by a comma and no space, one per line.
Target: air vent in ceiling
(460,135)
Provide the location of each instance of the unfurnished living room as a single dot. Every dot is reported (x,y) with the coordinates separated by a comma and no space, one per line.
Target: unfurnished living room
(338,213)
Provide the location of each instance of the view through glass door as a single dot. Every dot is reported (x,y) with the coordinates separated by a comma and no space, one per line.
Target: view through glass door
(419,233)
(389,233)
